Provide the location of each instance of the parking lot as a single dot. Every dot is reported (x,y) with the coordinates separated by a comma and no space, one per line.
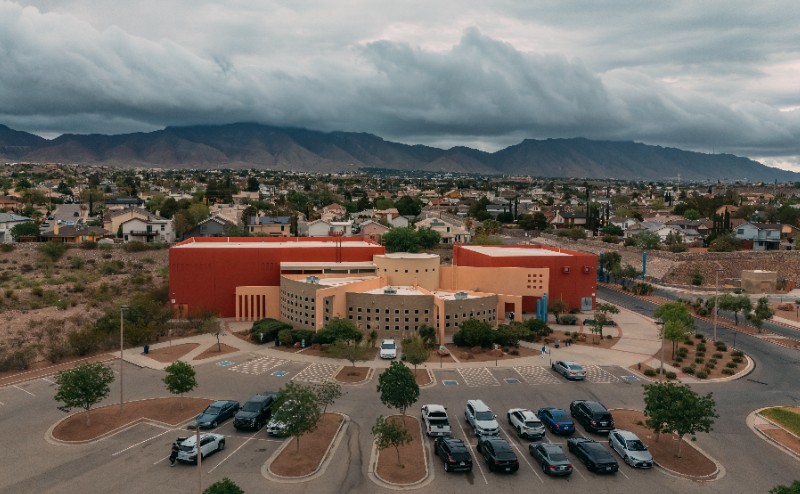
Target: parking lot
(135,460)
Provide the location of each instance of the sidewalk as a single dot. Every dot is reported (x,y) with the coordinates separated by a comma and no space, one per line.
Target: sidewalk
(639,341)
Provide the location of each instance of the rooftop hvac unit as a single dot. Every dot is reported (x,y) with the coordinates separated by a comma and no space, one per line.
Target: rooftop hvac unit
(312,280)
(461,296)
(390,291)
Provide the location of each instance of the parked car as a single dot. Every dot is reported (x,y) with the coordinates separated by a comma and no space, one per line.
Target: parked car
(556,420)
(256,412)
(435,420)
(216,413)
(481,418)
(552,458)
(388,349)
(596,458)
(526,423)
(593,415)
(499,455)
(210,443)
(454,454)
(632,450)
(571,370)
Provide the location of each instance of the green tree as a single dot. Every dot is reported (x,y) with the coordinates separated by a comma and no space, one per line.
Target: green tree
(474,332)
(557,307)
(428,238)
(83,386)
(297,408)
(415,351)
(760,313)
(428,335)
(610,261)
(349,350)
(646,240)
(725,243)
(601,317)
(327,393)
(670,407)
(735,304)
(782,489)
(692,214)
(390,434)
(612,229)
(677,322)
(397,387)
(401,240)
(224,486)
(180,378)
(339,329)
(27,229)
(408,206)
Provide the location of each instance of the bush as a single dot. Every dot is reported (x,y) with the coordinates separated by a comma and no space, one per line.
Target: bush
(670,375)
(649,372)
(679,358)
(338,330)
(7,247)
(720,346)
(737,353)
(134,246)
(702,375)
(538,329)
(112,267)
(701,347)
(285,337)
(89,245)
(688,342)
(266,330)
(568,320)
(688,370)
(17,358)
(509,335)
(76,263)
(717,355)
(474,333)
(728,372)
(700,354)
(683,351)
(298,335)
(738,360)
(711,365)
(699,360)
(53,249)
(731,365)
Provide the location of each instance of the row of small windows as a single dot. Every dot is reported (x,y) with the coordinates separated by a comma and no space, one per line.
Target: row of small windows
(425,320)
(469,315)
(387,310)
(455,324)
(433,270)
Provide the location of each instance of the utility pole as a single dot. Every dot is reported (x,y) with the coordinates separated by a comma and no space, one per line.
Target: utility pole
(122,310)
(716,299)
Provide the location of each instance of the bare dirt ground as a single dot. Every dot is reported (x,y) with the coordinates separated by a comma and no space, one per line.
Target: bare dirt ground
(352,374)
(691,463)
(172,353)
(216,351)
(478,354)
(411,467)
(304,457)
(172,411)
(585,337)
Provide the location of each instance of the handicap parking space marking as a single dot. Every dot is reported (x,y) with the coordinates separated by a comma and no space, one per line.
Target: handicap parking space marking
(536,374)
(280,373)
(224,363)
(257,366)
(317,373)
(478,376)
(598,375)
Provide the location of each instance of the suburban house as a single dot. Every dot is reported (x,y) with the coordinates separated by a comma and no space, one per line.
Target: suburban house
(569,219)
(215,226)
(324,228)
(137,224)
(7,222)
(270,226)
(762,236)
(9,203)
(75,234)
(449,231)
(333,211)
(373,230)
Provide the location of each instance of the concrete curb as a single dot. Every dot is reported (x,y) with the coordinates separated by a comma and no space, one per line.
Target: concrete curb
(373,462)
(433,380)
(144,420)
(751,365)
(716,475)
(370,373)
(756,414)
(323,466)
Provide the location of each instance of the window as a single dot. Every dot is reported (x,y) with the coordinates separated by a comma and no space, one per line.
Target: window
(740,231)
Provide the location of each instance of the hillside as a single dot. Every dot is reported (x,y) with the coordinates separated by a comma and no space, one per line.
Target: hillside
(247,145)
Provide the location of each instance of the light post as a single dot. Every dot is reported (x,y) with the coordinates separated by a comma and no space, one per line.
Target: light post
(122,310)
(716,300)
(660,324)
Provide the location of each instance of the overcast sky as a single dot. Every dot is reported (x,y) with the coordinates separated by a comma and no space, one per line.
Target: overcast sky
(701,75)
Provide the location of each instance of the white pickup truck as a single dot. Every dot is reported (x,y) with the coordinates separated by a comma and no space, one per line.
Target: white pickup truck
(435,420)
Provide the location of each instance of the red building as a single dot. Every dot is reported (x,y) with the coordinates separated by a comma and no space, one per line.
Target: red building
(572,274)
(204,272)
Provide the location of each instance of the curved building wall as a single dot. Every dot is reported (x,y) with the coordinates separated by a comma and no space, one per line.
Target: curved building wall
(390,315)
(407,269)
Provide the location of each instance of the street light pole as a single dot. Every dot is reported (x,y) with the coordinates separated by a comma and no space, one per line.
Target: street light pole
(660,324)
(716,300)
(122,310)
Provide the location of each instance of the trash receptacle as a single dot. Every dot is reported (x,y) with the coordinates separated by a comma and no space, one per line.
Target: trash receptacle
(303,343)
(146,349)
(557,344)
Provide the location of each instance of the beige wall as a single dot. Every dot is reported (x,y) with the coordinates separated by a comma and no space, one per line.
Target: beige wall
(506,281)
(482,308)
(759,281)
(410,311)
(338,298)
(257,302)
(413,270)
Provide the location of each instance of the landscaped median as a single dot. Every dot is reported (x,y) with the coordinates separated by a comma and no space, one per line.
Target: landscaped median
(407,464)
(692,463)
(781,425)
(302,457)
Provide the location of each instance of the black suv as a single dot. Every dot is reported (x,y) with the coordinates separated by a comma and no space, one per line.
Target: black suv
(454,454)
(596,458)
(594,416)
(256,412)
(498,454)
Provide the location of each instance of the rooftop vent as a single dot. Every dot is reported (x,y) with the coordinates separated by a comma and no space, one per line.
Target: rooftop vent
(461,296)
(312,280)
(390,291)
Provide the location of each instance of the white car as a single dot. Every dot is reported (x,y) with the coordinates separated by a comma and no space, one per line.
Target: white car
(632,450)
(388,349)
(435,420)
(571,370)
(526,423)
(210,443)
(481,418)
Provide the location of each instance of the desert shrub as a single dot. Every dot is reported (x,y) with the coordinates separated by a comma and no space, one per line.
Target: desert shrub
(649,372)
(514,352)
(670,375)
(134,246)
(84,341)
(568,319)
(716,355)
(702,375)
(737,353)
(701,347)
(63,304)
(7,247)
(56,349)
(700,354)
(107,255)
(19,357)
(37,291)
(737,360)
(88,245)
(26,268)
(474,333)
(688,342)
(699,360)
(112,267)
(642,288)
(53,250)
(711,365)
(76,263)
(688,370)
(731,365)
(683,351)
(679,358)
(10,293)
(721,346)
(728,372)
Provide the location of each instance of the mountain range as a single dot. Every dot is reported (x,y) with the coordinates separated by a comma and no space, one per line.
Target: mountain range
(250,145)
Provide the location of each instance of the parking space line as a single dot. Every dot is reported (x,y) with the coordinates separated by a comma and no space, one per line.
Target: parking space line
(522,454)
(141,442)
(48,380)
(472,451)
(162,459)
(233,452)
(566,450)
(1,403)
(24,390)
(623,473)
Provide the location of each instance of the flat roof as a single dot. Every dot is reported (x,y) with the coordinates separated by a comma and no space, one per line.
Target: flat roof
(513,251)
(274,245)
(343,281)
(452,295)
(328,264)
(401,290)
(408,255)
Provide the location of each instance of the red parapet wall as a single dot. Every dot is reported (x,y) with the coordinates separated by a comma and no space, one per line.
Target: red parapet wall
(572,276)
(203,274)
